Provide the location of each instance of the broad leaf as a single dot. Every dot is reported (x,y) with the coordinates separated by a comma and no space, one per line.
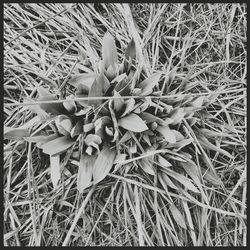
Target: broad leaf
(57,146)
(103,164)
(55,170)
(85,172)
(133,122)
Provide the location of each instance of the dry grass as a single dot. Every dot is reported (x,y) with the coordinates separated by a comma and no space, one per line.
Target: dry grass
(201,48)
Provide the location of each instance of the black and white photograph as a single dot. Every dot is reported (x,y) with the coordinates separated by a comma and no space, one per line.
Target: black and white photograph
(124,124)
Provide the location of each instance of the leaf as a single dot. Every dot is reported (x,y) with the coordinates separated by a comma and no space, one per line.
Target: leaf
(118,103)
(120,158)
(163,162)
(111,72)
(178,135)
(211,133)
(22,131)
(133,122)
(98,88)
(183,180)
(198,102)
(178,217)
(77,129)
(148,84)
(109,52)
(208,145)
(95,91)
(70,106)
(181,144)
(177,115)
(130,55)
(92,139)
(146,165)
(166,181)
(85,172)
(53,108)
(131,50)
(149,118)
(210,177)
(167,133)
(55,170)
(40,140)
(15,133)
(83,81)
(63,124)
(57,146)
(36,109)
(103,164)
(129,106)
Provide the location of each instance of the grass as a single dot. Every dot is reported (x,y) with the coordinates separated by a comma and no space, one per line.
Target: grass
(201,50)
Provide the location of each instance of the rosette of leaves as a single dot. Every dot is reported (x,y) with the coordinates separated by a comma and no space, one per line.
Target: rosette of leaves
(111,130)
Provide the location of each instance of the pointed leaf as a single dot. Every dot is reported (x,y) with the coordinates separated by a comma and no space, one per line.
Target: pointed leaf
(163,162)
(167,133)
(183,180)
(40,140)
(118,103)
(177,115)
(166,181)
(208,145)
(178,217)
(129,106)
(133,122)
(53,108)
(109,52)
(57,146)
(85,172)
(148,84)
(103,164)
(131,50)
(15,133)
(55,170)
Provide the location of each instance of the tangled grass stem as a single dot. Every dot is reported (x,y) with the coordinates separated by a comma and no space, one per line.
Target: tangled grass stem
(118,97)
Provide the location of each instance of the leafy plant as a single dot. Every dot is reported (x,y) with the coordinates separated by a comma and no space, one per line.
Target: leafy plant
(144,121)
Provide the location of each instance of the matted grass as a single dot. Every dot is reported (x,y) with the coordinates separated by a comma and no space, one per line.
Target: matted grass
(205,44)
